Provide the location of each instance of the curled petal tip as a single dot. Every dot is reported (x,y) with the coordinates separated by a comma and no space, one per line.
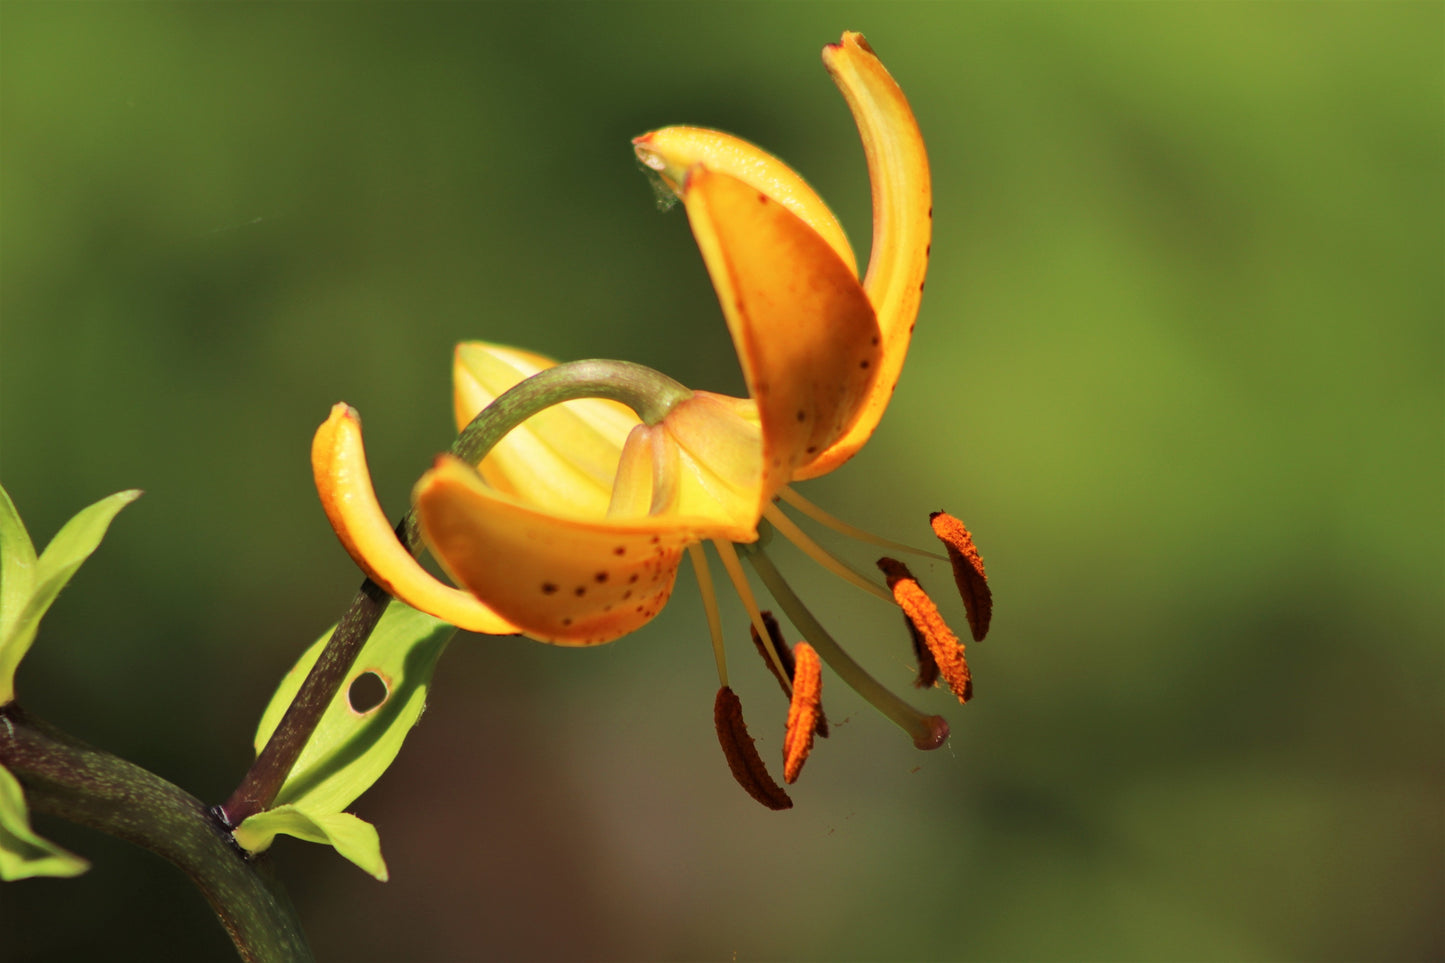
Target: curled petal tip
(338,462)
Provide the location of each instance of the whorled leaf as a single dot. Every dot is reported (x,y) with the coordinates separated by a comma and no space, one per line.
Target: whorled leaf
(352,837)
(23,854)
(29,585)
(349,749)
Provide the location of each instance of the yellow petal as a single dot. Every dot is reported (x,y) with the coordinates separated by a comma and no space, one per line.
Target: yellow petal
(672,151)
(720,462)
(338,460)
(902,223)
(803,328)
(573,581)
(564,458)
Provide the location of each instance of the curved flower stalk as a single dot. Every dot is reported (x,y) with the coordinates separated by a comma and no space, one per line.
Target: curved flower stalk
(569,522)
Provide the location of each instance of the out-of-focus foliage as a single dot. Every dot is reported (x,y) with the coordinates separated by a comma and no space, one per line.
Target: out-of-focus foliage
(1179,368)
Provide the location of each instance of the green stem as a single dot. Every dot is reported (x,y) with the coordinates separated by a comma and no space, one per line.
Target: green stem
(268,773)
(65,777)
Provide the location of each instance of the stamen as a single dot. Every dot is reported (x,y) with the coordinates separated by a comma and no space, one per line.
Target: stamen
(804,711)
(942,643)
(967,572)
(742,755)
(784,654)
(709,605)
(775,653)
(739,578)
(789,495)
(927,665)
(821,555)
(928,732)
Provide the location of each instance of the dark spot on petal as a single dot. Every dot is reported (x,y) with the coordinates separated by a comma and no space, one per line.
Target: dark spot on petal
(762,198)
(930,210)
(920,285)
(600,577)
(875,339)
(627,595)
(567,621)
(548,588)
(632,579)
(580,591)
(927,250)
(812,449)
(863,363)
(620,550)
(802,415)
(656,539)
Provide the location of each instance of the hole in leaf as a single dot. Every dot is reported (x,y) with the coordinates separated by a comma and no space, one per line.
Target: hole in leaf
(367,691)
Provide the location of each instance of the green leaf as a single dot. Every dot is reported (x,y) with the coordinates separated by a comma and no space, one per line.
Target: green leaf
(349,750)
(22,853)
(31,585)
(17,580)
(353,838)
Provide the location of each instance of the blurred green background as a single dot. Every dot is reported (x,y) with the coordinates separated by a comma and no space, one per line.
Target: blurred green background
(1179,367)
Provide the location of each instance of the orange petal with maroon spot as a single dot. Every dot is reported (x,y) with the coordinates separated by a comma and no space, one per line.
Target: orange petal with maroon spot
(802,325)
(742,754)
(572,581)
(947,651)
(902,224)
(967,572)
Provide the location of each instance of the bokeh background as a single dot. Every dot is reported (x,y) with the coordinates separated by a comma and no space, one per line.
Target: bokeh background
(1179,367)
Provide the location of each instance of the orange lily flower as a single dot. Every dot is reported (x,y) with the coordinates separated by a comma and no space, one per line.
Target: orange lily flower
(572,526)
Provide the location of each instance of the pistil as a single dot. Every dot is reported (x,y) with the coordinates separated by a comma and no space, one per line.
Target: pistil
(928,732)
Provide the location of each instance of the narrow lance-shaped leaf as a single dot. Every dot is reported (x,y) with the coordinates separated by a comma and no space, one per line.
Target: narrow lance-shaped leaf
(72,545)
(23,854)
(349,749)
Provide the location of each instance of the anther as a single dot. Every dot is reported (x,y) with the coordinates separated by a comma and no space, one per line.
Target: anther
(927,665)
(967,571)
(742,755)
(947,651)
(779,648)
(785,659)
(804,711)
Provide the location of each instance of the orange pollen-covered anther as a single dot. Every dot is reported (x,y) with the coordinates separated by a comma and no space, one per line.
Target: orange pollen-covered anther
(967,571)
(742,755)
(942,644)
(804,710)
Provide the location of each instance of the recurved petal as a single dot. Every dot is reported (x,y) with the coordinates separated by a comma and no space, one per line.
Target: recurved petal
(902,223)
(564,458)
(672,151)
(568,580)
(803,328)
(338,461)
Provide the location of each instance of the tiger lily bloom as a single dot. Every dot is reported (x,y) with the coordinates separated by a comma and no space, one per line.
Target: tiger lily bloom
(569,523)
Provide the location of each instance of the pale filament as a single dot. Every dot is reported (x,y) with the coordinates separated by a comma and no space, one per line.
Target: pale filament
(822,556)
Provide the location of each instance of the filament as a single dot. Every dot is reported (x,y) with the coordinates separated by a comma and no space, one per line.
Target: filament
(822,556)
(696,552)
(791,496)
(739,578)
